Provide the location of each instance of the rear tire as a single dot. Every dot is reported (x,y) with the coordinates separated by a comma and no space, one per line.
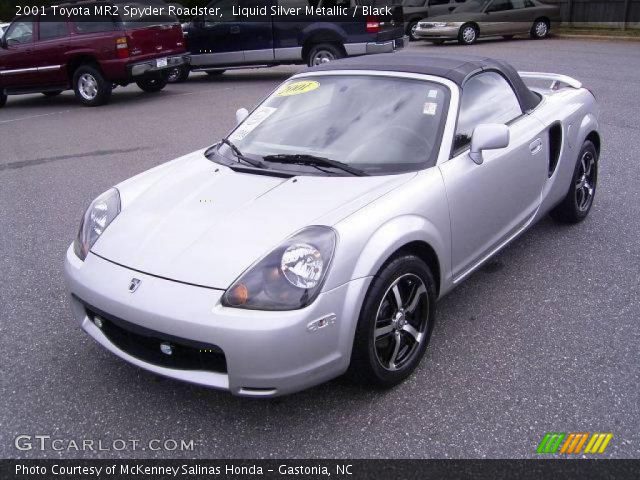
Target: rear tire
(468,34)
(392,335)
(323,53)
(152,84)
(90,86)
(53,93)
(577,204)
(540,29)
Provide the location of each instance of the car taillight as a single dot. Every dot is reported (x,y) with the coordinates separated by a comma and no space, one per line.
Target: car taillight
(373,25)
(122,47)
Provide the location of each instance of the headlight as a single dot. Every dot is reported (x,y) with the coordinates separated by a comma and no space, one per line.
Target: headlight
(96,219)
(289,277)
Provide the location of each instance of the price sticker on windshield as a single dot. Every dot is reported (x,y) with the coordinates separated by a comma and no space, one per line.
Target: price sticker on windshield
(296,88)
(430,108)
(255,119)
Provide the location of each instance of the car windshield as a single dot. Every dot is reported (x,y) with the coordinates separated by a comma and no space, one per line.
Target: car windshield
(376,124)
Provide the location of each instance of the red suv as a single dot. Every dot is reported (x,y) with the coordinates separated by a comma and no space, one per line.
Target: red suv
(90,54)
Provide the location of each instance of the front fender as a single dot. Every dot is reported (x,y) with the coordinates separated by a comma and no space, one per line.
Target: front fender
(395,234)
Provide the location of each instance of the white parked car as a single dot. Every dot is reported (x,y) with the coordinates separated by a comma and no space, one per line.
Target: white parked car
(315,239)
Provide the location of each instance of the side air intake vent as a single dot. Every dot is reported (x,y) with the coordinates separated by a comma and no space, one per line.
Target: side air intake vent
(555,145)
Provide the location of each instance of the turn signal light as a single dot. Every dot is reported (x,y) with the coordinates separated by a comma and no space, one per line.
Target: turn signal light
(122,47)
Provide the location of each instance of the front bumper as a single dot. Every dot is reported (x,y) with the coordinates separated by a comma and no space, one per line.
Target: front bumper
(370,48)
(266,353)
(437,33)
(151,66)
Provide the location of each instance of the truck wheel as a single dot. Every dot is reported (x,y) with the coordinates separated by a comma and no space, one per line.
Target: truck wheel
(395,323)
(90,87)
(468,34)
(577,203)
(178,74)
(3,98)
(152,84)
(323,53)
(53,93)
(411,30)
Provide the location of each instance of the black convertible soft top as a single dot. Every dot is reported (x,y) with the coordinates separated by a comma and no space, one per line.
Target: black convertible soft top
(458,69)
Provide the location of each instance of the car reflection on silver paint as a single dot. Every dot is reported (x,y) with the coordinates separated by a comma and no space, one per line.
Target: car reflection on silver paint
(315,239)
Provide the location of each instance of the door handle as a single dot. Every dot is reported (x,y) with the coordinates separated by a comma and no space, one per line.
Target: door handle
(535,146)
(234,29)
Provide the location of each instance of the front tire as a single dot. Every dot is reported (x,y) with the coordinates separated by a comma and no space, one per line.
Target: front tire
(411,30)
(395,323)
(178,74)
(577,204)
(540,29)
(468,34)
(152,84)
(323,53)
(90,86)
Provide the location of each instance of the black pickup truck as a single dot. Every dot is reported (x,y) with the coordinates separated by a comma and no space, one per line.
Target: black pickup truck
(256,33)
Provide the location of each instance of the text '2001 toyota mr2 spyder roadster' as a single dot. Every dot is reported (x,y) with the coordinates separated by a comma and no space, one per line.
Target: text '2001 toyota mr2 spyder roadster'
(317,236)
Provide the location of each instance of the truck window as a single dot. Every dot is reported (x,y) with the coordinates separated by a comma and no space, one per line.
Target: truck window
(20,31)
(94,24)
(52,27)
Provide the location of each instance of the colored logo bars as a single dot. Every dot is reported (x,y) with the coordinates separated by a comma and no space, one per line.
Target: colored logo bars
(572,443)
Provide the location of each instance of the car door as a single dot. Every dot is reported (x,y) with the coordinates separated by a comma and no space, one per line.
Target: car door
(18,66)
(498,18)
(491,202)
(51,47)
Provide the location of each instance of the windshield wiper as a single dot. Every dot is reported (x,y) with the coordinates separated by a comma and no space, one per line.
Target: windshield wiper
(312,160)
(240,156)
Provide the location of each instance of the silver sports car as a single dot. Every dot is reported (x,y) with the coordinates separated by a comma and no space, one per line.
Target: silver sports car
(316,238)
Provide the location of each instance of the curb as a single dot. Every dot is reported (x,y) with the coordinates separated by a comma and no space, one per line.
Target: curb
(597,37)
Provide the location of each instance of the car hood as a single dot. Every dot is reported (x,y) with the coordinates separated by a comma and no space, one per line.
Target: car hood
(202,223)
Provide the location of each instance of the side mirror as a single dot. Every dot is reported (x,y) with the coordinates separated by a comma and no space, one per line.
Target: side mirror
(241,114)
(489,136)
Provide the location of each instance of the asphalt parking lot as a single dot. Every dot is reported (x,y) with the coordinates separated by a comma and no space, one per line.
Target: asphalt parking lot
(544,338)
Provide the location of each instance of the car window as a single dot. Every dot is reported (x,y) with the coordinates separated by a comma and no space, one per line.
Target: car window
(52,27)
(486,98)
(521,4)
(20,31)
(500,6)
(381,125)
(95,23)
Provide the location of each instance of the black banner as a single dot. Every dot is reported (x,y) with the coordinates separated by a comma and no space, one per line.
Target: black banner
(318,469)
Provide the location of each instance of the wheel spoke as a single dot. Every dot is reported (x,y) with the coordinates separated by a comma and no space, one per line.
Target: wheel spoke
(417,293)
(396,294)
(396,349)
(382,331)
(417,336)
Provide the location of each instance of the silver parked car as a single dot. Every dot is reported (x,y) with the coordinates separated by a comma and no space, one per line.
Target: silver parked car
(317,236)
(490,18)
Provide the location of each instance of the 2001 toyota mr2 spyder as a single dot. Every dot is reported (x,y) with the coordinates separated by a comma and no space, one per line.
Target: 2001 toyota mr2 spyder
(316,237)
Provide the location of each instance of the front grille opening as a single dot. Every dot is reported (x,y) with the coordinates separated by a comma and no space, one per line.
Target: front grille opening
(149,346)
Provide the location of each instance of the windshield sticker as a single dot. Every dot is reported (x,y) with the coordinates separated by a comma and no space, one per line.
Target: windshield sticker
(252,121)
(430,108)
(296,88)
(433,93)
